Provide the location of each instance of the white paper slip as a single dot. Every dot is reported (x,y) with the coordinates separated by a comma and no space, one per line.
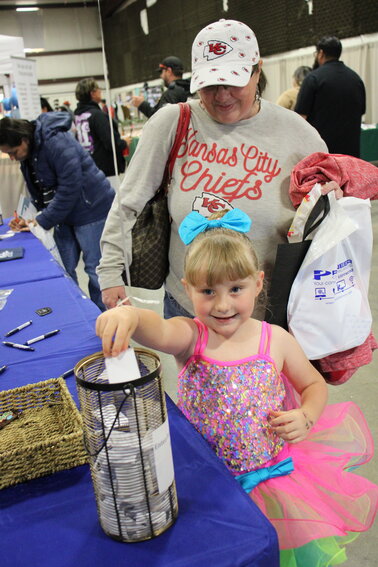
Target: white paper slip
(123,368)
(163,457)
(8,234)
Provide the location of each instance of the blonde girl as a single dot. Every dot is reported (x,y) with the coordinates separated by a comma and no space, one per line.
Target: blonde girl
(236,377)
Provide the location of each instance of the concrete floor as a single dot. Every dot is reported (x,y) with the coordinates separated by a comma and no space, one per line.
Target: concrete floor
(362,388)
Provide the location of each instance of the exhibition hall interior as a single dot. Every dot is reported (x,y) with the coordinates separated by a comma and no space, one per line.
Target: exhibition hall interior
(133,482)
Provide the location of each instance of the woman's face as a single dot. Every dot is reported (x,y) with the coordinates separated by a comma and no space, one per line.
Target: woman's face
(227,104)
(17,153)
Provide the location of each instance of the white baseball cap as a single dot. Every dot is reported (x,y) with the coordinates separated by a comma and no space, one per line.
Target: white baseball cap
(223,53)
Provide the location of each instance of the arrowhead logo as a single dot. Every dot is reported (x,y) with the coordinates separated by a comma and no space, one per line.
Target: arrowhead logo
(215,49)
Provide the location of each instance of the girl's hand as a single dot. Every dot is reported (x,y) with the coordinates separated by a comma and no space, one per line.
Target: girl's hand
(292,426)
(120,323)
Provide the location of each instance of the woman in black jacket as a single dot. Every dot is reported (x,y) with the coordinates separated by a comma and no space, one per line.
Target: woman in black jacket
(93,129)
(69,192)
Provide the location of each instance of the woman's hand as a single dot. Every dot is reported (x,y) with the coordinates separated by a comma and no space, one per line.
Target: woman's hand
(112,296)
(292,426)
(19,225)
(332,186)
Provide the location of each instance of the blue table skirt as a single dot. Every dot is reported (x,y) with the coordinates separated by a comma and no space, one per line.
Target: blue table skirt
(52,521)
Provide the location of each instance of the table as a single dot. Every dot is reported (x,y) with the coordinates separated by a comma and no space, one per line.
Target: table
(52,521)
(39,263)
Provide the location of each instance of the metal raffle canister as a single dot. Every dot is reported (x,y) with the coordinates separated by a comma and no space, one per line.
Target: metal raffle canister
(126,434)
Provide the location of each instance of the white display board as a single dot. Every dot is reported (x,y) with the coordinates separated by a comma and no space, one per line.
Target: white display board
(24,73)
(10,45)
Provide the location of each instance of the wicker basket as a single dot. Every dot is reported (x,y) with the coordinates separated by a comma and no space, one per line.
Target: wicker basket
(46,438)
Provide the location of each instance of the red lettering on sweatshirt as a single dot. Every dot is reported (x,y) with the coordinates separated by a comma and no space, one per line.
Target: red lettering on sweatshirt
(196,171)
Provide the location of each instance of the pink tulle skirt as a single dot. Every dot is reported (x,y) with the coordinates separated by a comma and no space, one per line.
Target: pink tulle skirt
(322,497)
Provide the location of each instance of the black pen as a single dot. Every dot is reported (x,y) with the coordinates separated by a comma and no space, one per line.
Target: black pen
(2,368)
(67,373)
(15,345)
(16,329)
(41,337)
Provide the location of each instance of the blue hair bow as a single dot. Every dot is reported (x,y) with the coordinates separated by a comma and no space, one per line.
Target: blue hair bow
(194,223)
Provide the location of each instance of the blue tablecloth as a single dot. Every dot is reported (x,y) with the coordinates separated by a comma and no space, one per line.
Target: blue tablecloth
(38,264)
(52,521)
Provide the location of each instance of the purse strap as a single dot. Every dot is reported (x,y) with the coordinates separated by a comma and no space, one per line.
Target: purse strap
(322,208)
(182,128)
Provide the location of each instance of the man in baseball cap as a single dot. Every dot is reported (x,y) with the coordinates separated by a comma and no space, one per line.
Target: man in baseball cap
(178,89)
(172,62)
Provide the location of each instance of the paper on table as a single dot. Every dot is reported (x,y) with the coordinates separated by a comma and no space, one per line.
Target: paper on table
(122,368)
(8,234)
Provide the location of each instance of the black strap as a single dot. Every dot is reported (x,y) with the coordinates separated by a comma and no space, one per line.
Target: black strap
(321,210)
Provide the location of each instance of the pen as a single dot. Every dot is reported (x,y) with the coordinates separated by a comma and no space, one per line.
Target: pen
(2,368)
(16,329)
(67,373)
(41,337)
(15,345)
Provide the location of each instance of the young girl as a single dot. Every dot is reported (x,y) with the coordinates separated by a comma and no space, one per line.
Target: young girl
(236,377)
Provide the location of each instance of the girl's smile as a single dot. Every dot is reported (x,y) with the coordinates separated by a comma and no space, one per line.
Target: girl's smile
(225,306)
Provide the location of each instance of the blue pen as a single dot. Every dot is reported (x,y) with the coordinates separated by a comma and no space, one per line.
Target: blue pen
(67,373)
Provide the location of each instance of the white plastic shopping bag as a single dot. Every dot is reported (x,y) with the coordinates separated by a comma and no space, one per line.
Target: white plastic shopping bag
(328,308)
(296,230)
(47,239)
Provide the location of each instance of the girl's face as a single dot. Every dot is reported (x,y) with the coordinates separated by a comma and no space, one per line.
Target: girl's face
(227,104)
(227,305)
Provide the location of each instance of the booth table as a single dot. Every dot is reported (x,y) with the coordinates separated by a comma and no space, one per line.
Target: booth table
(52,521)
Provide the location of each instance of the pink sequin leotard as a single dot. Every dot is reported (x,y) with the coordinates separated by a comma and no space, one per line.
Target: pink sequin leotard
(229,403)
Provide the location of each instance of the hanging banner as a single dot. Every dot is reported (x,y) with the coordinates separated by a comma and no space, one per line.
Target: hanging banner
(24,73)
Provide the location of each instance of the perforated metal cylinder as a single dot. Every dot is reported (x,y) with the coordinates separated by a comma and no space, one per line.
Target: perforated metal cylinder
(127,438)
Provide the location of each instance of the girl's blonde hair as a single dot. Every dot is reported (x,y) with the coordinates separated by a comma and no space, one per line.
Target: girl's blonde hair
(220,254)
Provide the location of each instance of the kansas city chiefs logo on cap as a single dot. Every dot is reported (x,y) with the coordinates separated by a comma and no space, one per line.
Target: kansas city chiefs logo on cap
(214,49)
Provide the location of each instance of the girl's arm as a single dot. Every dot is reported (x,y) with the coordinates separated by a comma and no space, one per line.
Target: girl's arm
(173,336)
(294,425)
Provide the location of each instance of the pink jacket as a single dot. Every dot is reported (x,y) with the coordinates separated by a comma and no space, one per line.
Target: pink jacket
(357,178)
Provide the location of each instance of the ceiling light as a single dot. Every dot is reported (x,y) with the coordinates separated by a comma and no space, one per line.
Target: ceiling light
(28,9)
(33,49)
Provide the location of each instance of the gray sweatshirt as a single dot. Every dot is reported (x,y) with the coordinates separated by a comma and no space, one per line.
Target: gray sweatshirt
(245,165)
